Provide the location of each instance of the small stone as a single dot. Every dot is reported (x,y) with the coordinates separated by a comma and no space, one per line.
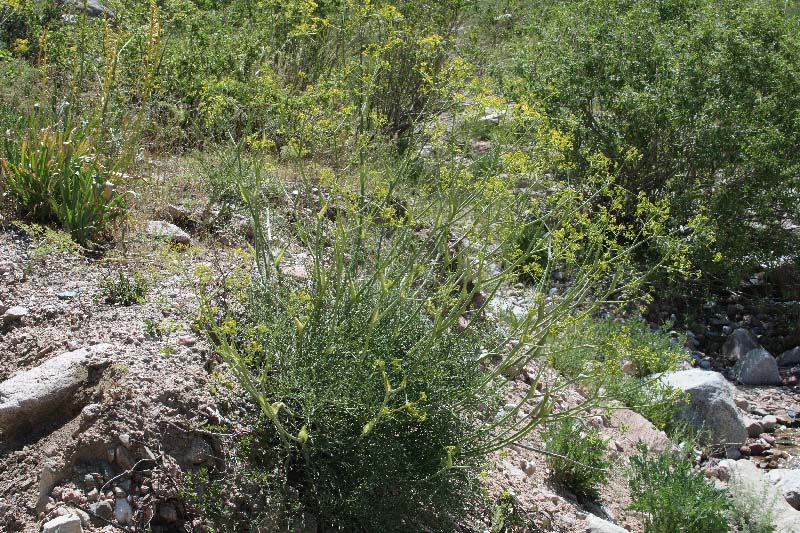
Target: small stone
(745,450)
(102,509)
(162,229)
(187,340)
(73,345)
(125,439)
(754,427)
(758,448)
(768,423)
(122,511)
(628,368)
(766,437)
(14,314)
(742,404)
(93,495)
(784,420)
(64,524)
(119,493)
(66,295)
(88,482)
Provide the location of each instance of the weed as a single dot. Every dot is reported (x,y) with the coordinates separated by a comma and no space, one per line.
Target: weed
(506,514)
(674,496)
(153,328)
(124,289)
(583,464)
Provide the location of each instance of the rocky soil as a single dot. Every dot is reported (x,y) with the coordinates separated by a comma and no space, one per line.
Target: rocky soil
(105,409)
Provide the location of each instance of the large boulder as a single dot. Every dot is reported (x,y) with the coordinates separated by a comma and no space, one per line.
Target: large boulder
(710,408)
(750,489)
(757,367)
(35,394)
(790,357)
(788,481)
(738,343)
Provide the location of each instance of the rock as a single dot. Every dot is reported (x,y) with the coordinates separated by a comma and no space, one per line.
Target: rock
(757,367)
(82,515)
(749,489)
(103,509)
(710,408)
(738,344)
(742,404)
(628,368)
(595,524)
(199,452)
(69,523)
(93,8)
(29,396)
(768,423)
(790,357)
(754,427)
(14,314)
(161,229)
(122,511)
(639,429)
(187,340)
(66,295)
(787,481)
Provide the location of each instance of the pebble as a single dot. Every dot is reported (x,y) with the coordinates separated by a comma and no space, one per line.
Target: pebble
(768,423)
(187,340)
(14,314)
(103,509)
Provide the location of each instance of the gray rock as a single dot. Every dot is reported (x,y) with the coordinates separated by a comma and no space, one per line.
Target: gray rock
(639,429)
(788,481)
(710,408)
(754,428)
(102,509)
(768,422)
(33,394)
(757,367)
(14,314)
(93,8)
(790,357)
(63,524)
(596,524)
(161,229)
(746,483)
(123,512)
(738,344)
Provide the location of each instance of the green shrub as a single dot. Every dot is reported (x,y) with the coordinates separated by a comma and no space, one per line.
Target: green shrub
(692,102)
(124,289)
(674,496)
(580,459)
(622,360)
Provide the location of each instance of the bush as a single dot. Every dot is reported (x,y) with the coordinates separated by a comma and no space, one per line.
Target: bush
(692,102)
(124,290)
(583,465)
(674,496)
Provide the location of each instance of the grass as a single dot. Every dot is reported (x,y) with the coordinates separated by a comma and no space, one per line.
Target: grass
(580,461)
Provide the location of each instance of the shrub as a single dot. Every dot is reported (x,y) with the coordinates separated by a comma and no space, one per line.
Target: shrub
(580,462)
(674,496)
(379,376)
(692,102)
(124,289)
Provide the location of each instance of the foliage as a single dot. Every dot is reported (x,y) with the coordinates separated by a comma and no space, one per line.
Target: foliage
(60,160)
(124,289)
(370,364)
(580,462)
(675,497)
(506,514)
(46,241)
(597,352)
(691,102)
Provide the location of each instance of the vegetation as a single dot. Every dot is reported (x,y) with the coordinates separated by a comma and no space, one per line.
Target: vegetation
(674,496)
(124,290)
(579,459)
(419,159)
